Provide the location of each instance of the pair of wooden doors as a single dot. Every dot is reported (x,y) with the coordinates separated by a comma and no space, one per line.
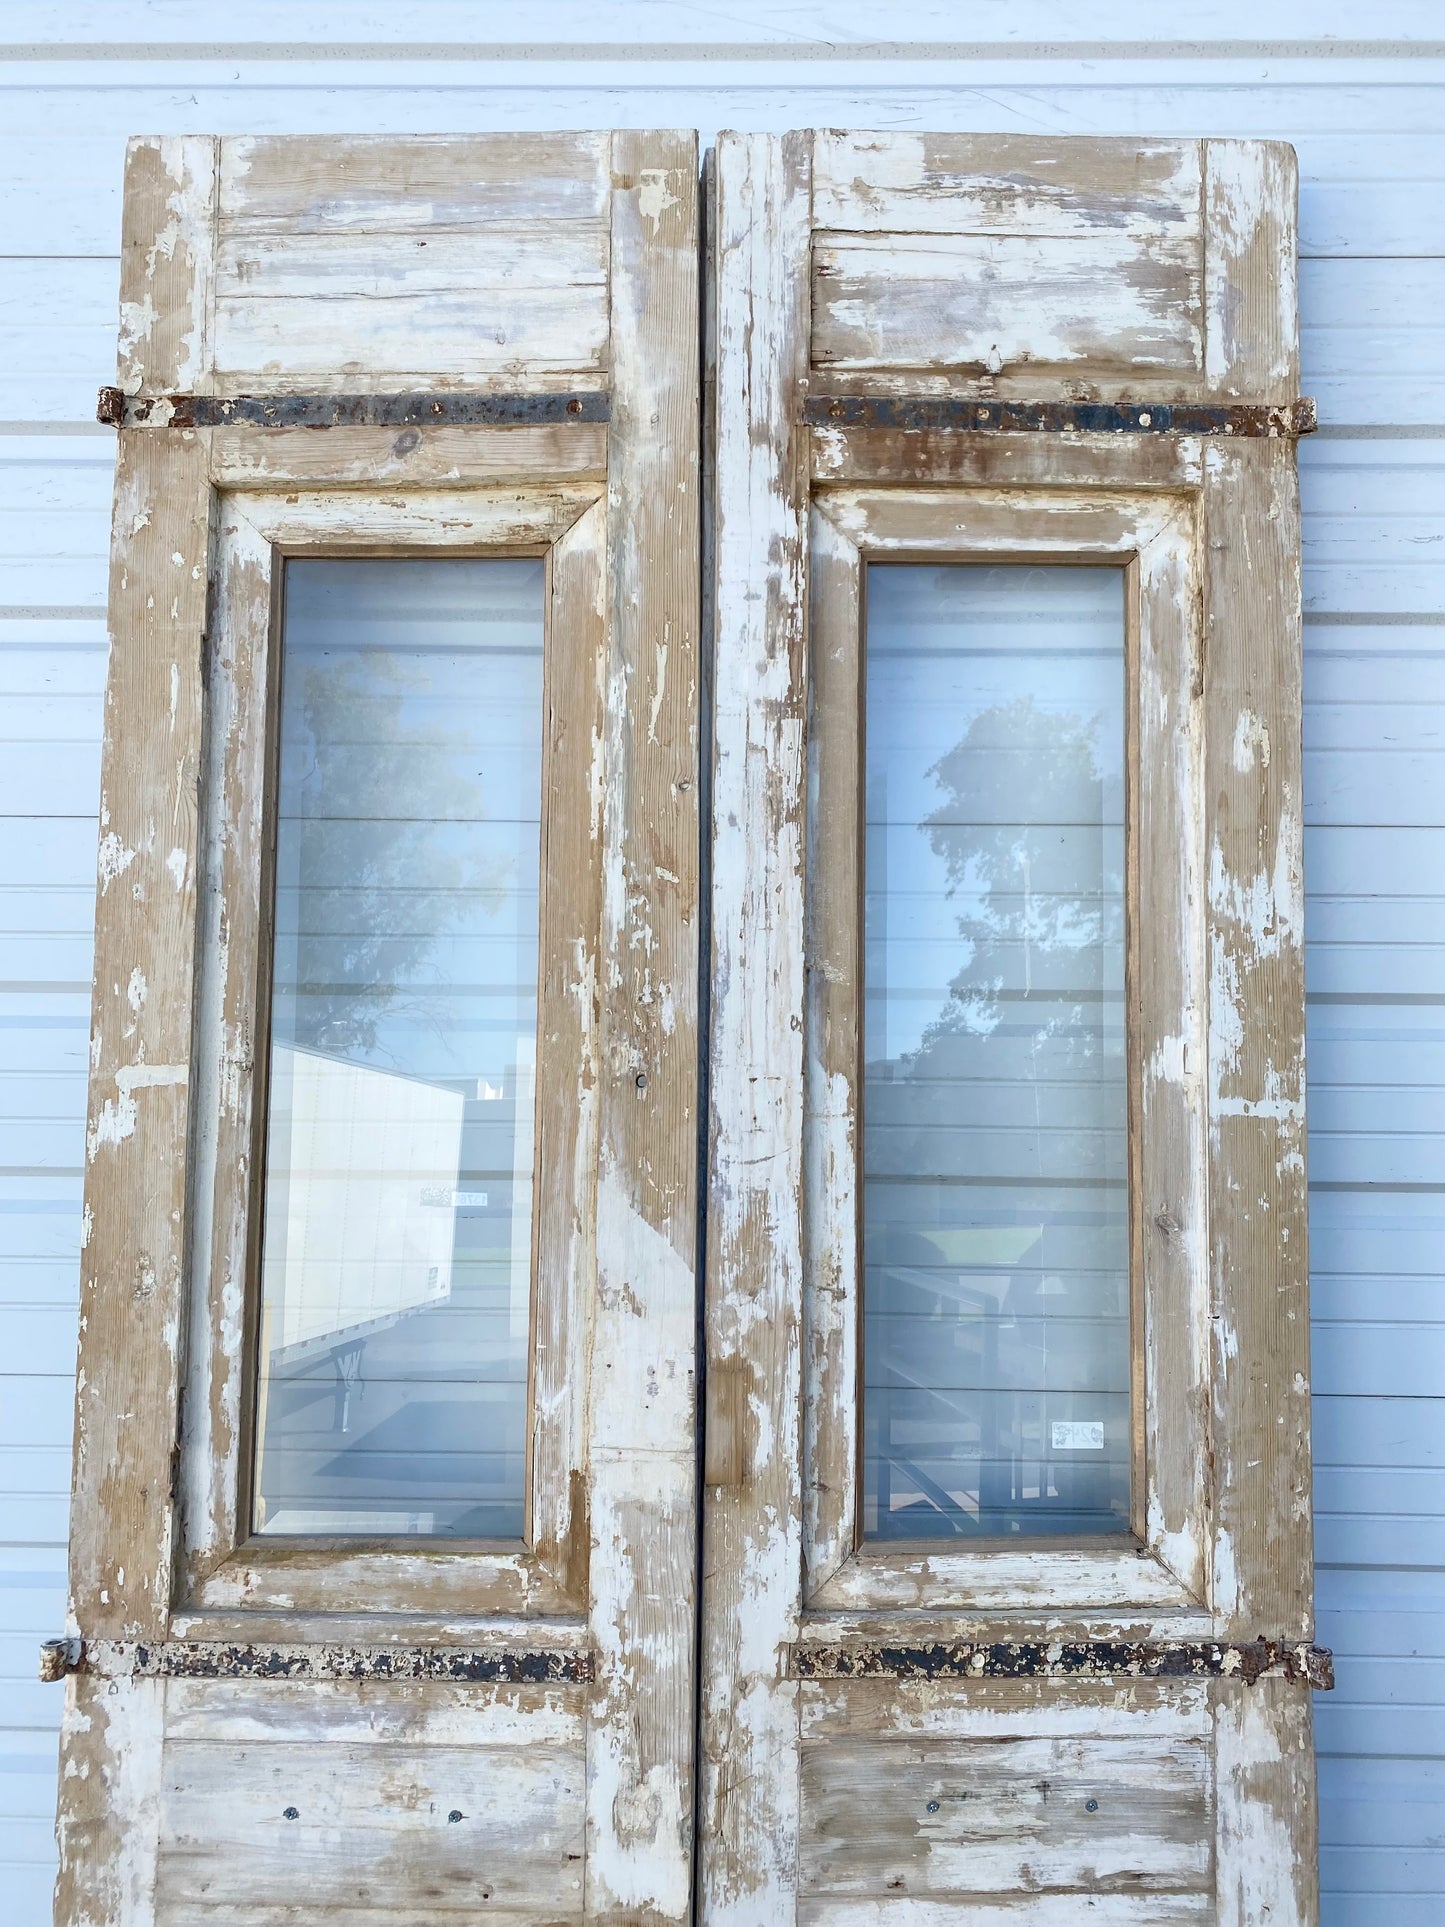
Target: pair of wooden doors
(846,1561)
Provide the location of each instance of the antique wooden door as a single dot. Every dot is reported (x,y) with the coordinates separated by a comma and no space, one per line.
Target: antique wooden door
(385,1503)
(392,1544)
(1006,1595)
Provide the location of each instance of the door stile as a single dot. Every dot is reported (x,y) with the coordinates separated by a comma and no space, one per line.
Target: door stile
(752,1517)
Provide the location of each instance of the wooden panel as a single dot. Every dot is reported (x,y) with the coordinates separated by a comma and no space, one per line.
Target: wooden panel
(1004,184)
(380,182)
(940,1817)
(1112,307)
(374,262)
(643,1438)
(348,1823)
(752,1553)
(314,309)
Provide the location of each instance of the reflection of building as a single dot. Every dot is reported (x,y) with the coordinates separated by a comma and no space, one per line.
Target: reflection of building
(363,1199)
(398,1273)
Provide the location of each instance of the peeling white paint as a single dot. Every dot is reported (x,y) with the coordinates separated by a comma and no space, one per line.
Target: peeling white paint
(654,195)
(114,859)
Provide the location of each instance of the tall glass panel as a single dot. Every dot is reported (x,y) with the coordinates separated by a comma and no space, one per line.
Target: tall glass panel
(397,1249)
(995,1185)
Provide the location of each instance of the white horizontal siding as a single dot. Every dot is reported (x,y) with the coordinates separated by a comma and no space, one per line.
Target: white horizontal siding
(1369,124)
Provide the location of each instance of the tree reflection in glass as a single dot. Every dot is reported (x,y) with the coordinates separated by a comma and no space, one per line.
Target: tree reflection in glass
(994,1176)
(396,1266)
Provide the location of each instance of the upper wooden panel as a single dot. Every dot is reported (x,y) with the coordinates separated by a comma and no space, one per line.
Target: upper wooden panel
(376,263)
(1017,265)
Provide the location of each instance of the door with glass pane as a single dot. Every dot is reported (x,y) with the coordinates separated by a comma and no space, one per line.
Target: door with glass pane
(1006,1597)
(385,1509)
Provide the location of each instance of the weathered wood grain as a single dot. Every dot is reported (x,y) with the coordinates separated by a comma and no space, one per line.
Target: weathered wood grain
(167,260)
(375,1713)
(569,1069)
(246,1822)
(1000,1709)
(642,1432)
(406,457)
(1100,1581)
(995,304)
(296,310)
(517,515)
(939,458)
(752,1550)
(1252,814)
(442,262)
(1251,275)
(1168,1147)
(133,1259)
(1035,1910)
(1268,1835)
(234,938)
(1004,184)
(1003,524)
(385,182)
(108,1814)
(833,1065)
(935,1817)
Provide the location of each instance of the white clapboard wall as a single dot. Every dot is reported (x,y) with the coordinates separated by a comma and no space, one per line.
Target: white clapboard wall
(1361,93)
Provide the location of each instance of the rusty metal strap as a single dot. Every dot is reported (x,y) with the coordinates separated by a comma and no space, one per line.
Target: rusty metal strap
(1248,1660)
(118,410)
(1248,420)
(222,1659)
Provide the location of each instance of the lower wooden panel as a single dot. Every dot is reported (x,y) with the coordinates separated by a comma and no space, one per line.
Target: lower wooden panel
(414,1803)
(1015,1804)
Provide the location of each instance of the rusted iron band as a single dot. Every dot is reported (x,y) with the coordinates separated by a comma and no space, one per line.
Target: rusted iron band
(1240,419)
(222,1659)
(118,410)
(1247,1660)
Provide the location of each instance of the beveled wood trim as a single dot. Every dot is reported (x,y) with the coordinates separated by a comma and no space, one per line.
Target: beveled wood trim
(1166,1563)
(225,1567)
(521,518)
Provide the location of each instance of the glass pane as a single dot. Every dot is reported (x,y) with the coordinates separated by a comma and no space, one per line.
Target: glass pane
(397,1259)
(995,1196)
